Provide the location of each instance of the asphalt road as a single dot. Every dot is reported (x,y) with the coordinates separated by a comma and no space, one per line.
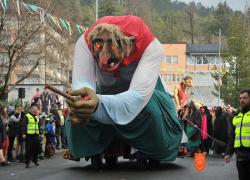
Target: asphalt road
(59,169)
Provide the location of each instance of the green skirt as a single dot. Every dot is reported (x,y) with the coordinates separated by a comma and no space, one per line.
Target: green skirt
(190,132)
(156,131)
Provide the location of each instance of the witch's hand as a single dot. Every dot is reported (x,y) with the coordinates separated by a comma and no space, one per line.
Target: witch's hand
(85,103)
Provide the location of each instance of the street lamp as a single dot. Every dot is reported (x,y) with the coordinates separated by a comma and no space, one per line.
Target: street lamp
(219,80)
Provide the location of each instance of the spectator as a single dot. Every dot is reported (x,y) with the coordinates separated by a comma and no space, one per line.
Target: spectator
(14,128)
(62,127)
(207,128)
(193,117)
(54,111)
(5,128)
(30,132)
(36,99)
(20,146)
(220,131)
(46,100)
(239,137)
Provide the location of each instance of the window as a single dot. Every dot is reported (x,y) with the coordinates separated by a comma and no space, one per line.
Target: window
(218,61)
(173,77)
(164,77)
(168,77)
(190,60)
(168,60)
(178,77)
(205,60)
(199,60)
(175,59)
(213,60)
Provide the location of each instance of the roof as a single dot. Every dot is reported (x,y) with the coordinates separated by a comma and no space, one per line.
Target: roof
(203,48)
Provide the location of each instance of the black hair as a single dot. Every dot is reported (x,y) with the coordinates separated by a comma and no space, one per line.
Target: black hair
(245,91)
(187,78)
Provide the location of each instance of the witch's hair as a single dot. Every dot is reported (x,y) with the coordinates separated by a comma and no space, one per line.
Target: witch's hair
(115,34)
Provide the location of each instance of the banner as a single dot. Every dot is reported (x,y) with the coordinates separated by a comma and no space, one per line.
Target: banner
(199,161)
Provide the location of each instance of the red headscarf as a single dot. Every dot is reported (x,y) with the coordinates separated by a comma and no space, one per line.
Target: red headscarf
(131,26)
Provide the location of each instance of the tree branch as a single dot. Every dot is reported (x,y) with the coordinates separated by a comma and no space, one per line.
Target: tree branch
(24,77)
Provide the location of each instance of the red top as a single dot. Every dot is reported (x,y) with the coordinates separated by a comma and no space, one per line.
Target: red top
(131,26)
(182,95)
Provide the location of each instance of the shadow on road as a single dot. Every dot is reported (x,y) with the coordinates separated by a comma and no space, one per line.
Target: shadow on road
(128,166)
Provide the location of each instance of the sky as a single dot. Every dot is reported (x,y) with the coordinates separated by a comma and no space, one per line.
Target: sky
(234,4)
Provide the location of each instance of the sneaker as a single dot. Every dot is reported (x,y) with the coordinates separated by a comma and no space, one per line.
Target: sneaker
(27,165)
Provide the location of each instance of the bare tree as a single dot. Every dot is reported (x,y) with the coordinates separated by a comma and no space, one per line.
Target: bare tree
(20,40)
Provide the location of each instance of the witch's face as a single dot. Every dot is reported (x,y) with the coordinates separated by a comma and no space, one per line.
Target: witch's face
(108,52)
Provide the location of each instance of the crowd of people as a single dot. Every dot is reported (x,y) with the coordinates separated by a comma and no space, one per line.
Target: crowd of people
(26,135)
(202,125)
(224,130)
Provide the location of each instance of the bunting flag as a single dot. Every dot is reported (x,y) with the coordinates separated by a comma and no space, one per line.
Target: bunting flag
(78,28)
(59,22)
(5,4)
(54,20)
(81,29)
(34,7)
(69,27)
(25,5)
(66,25)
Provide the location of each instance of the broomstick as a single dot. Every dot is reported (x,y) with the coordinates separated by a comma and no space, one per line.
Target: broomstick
(58,91)
(222,143)
(71,98)
(65,95)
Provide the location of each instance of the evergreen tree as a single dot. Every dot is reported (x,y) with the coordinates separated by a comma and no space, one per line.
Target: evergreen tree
(237,59)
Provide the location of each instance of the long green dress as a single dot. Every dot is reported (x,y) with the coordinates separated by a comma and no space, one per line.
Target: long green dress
(156,131)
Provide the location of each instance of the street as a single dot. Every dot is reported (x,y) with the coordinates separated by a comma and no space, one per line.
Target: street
(58,168)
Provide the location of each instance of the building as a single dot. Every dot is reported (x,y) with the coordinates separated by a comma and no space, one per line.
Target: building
(48,47)
(196,60)
(173,67)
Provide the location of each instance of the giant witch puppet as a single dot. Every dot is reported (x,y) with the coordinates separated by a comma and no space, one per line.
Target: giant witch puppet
(116,65)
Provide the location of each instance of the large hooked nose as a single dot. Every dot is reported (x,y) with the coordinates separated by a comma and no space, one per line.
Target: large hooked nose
(103,60)
(104,55)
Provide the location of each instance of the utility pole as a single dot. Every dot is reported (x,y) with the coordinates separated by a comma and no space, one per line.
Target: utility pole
(96,9)
(219,80)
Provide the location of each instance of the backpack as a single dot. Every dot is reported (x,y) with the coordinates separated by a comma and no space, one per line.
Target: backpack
(49,129)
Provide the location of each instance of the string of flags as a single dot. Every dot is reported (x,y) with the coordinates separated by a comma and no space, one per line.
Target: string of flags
(34,9)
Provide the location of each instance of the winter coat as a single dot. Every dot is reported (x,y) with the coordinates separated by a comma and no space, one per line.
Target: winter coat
(1,133)
(220,130)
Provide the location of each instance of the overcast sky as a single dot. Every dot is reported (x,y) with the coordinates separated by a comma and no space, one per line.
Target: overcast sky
(234,4)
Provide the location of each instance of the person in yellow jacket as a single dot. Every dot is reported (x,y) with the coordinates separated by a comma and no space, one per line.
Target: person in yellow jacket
(239,137)
(30,132)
